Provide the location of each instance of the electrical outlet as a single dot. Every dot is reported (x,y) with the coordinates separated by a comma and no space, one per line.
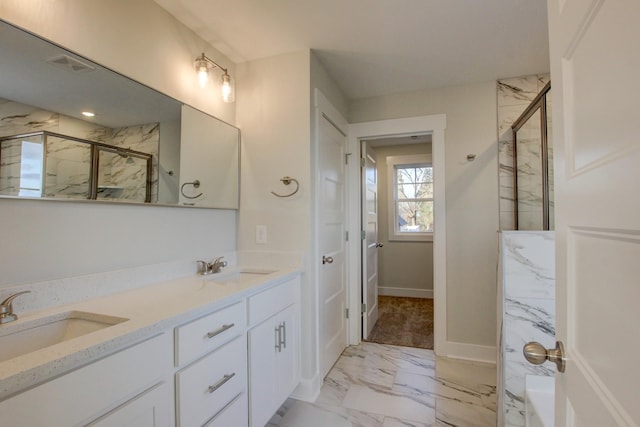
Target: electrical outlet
(261,234)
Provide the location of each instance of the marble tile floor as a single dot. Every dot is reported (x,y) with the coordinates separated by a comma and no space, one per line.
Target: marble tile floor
(377,385)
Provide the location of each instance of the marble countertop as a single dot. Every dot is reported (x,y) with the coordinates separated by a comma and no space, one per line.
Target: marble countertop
(151,310)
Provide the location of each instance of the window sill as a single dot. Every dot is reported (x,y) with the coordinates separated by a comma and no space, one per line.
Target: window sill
(412,237)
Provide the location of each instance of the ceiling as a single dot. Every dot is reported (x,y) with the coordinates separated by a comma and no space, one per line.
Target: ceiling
(379,47)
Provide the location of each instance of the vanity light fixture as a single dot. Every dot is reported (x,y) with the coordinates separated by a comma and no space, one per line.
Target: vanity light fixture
(203,65)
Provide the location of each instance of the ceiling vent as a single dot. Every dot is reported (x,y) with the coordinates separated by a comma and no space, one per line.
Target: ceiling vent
(70,64)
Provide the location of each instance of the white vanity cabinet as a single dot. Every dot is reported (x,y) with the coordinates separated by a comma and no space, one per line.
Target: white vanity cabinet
(128,388)
(212,385)
(273,350)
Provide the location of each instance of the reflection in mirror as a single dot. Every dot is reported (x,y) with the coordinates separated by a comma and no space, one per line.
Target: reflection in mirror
(130,151)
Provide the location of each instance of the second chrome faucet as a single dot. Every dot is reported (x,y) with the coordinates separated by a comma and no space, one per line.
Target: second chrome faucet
(215,266)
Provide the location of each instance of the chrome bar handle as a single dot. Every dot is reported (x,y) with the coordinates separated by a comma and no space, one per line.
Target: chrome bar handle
(282,333)
(278,340)
(220,330)
(220,383)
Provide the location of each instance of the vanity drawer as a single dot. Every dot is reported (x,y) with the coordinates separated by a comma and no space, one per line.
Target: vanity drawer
(267,303)
(236,414)
(206,387)
(208,333)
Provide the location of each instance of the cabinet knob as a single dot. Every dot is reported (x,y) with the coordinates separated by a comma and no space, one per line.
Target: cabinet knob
(327,259)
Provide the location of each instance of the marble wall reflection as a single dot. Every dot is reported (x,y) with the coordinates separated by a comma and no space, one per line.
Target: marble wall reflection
(527,313)
(514,96)
(68,162)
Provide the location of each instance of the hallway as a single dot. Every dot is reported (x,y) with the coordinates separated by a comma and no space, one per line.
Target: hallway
(375,385)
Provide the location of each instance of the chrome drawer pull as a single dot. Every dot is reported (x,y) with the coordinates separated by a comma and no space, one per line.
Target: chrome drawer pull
(221,330)
(278,339)
(220,383)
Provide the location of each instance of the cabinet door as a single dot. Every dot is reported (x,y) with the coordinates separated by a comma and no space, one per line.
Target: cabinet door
(262,372)
(150,409)
(287,358)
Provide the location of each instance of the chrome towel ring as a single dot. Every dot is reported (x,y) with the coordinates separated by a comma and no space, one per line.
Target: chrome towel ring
(196,184)
(286,180)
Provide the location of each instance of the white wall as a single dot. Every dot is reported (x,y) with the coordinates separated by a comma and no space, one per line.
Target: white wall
(405,268)
(273,113)
(471,199)
(46,240)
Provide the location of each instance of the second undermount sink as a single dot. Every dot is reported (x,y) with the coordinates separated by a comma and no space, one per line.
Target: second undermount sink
(240,276)
(20,338)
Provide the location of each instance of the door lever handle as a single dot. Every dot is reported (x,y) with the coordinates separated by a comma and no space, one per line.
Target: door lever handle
(536,354)
(327,259)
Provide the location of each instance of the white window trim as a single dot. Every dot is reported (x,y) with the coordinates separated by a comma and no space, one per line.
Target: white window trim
(392,161)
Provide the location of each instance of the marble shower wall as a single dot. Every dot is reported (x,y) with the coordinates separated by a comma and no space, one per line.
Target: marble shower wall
(527,313)
(67,167)
(514,96)
(131,177)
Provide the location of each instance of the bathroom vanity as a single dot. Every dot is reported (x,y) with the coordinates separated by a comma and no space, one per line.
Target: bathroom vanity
(220,350)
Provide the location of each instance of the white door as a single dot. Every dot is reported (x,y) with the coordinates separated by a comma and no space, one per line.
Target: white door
(370,243)
(595,66)
(331,145)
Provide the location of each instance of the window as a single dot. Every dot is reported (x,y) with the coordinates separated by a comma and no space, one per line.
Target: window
(411,197)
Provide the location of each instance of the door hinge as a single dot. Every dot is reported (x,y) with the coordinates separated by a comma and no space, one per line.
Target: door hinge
(363,162)
(346,236)
(363,235)
(346,313)
(364,307)
(346,158)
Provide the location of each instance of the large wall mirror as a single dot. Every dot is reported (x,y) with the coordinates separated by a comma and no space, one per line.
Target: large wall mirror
(140,146)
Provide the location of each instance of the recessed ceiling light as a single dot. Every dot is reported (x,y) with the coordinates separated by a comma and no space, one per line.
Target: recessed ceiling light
(88,114)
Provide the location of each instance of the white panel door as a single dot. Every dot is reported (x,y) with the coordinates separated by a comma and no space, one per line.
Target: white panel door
(595,64)
(331,240)
(370,243)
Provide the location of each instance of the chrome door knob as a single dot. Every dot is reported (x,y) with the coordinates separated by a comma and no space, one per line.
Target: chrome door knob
(327,259)
(536,354)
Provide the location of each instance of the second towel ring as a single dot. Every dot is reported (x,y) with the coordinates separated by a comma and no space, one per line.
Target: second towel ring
(286,180)
(196,184)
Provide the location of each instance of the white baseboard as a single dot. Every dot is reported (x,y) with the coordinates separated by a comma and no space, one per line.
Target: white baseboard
(405,292)
(308,389)
(470,352)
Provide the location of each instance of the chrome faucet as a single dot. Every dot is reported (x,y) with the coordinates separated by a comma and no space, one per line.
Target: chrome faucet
(205,268)
(6,308)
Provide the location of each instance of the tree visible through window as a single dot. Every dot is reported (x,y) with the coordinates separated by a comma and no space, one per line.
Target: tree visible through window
(414,198)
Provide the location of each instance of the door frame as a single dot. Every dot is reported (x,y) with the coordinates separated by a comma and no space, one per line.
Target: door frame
(434,125)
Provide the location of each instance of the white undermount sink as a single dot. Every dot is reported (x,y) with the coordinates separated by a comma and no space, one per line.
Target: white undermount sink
(240,276)
(21,337)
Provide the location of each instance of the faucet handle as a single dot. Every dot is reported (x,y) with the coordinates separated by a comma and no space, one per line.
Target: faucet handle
(6,308)
(202,267)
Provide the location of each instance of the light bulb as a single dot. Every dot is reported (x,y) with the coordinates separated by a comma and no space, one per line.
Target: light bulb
(203,75)
(226,87)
